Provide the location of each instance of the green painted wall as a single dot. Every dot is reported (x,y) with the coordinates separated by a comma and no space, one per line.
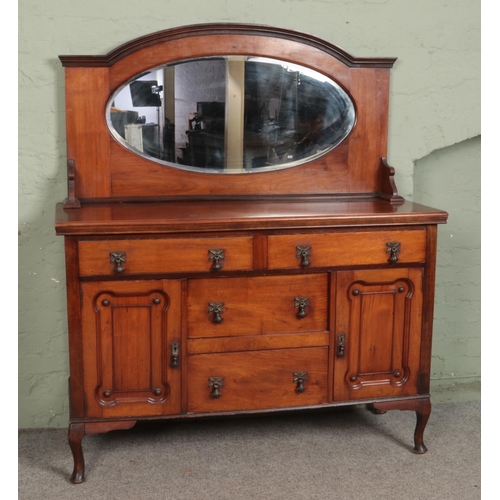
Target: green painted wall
(435,96)
(451,177)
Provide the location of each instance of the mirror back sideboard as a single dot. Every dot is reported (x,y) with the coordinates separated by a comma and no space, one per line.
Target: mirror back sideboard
(196,293)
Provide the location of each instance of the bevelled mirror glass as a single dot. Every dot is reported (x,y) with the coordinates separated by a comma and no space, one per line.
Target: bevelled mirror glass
(230,114)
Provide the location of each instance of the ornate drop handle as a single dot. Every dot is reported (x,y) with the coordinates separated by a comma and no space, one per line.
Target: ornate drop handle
(301,303)
(216,308)
(393,247)
(304,253)
(215,383)
(118,258)
(300,378)
(215,255)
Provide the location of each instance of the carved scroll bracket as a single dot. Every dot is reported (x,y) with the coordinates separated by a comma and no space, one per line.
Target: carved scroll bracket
(389,191)
(71,201)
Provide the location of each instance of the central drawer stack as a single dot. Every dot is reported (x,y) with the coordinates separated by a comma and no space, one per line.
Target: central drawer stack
(251,360)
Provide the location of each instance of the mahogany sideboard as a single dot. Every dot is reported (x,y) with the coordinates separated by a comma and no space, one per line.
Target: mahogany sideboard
(281,270)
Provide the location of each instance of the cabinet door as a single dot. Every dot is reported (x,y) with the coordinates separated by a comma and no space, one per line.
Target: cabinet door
(130,334)
(378,333)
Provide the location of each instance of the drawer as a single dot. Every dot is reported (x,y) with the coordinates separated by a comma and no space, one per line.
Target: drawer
(257,305)
(257,379)
(346,249)
(165,255)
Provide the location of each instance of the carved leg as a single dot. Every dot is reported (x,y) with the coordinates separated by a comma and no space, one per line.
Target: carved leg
(76,433)
(422,407)
(423,413)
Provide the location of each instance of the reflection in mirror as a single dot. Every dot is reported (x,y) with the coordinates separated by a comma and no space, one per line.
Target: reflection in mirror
(231,114)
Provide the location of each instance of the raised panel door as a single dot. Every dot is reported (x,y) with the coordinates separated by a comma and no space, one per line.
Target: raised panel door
(378,333)
(131,348)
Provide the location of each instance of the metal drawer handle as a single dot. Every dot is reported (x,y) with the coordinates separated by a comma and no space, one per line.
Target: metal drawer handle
(304,253)
(393,247)
(301,303)
(216,308)
(118,258)
(300,378)
(216,255)
(215,383)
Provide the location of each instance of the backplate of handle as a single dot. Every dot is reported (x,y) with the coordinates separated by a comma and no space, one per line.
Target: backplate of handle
(303,252)
(216,308)
(301,303)
(300,378)
(215,383)
(216,255)
(118,258)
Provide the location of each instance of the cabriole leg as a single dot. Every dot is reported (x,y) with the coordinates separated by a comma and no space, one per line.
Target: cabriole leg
(76,433)
(422,408)
(423,413)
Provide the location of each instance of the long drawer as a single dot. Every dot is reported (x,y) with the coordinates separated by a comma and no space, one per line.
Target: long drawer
(257,379)
(117,257)
(257,305)
(295,251)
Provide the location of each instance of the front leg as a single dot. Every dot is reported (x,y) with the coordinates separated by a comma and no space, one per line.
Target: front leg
(422,408)
(76,433)
(78,430)
(423,413)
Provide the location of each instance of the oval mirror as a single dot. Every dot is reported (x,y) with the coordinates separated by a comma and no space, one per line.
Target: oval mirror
(230,114)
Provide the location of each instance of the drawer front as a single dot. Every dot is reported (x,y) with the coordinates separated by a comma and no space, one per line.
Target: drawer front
(346,249)
(122,257)
(258,305)
(258,379)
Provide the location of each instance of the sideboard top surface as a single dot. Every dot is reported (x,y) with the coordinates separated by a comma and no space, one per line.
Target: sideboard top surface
(183,216)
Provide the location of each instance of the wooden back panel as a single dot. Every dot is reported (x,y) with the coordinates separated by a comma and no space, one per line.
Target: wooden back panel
(107,170)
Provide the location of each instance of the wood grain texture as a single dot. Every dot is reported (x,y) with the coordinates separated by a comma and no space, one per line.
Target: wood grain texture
(230,29)
(163,256)
(77,396)
(343,249)
(256,342)
(238,215)
(380,313)
(368,140)
(352,167)
(257,379)
(87,135)
(271,296)
(270,349)
(428,310)
(129,328)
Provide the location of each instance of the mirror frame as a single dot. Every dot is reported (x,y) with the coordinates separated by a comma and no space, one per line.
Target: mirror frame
(334,89)
(104,170)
